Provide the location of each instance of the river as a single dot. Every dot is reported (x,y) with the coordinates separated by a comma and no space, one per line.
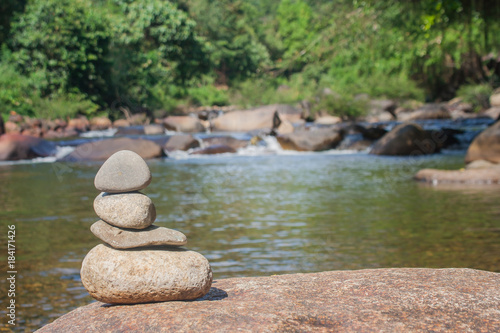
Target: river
(251,215)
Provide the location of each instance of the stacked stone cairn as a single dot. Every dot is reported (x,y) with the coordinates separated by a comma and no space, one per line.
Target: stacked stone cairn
(139,262)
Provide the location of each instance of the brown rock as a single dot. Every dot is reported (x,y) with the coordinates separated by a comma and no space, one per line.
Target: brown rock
(428,111)
(80,124)
(100,123)
(328,120)
(184,124)
(406,139)
(131,130)
(469,176)
(214,149)
(124,171)
(315,139)
(120,238)
(486,146)
(181,142)
(481,164)
(493,113)
(373,300)
(121,123)
(254,119)
(495,99)
(125,210)
(153,274)
(103,149)
(226,141)
(12,127)
(22,147)
(154,129)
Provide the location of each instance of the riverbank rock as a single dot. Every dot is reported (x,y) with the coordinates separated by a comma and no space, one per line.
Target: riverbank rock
(328,120)
(226,141)
(100,123)
(125,210)
(184,124)
(103,149)
(495,99)
(493,113)
(22,147)
(405,139)
(152,274)
(372,300)
(260,118)
(486,146)
(131,238)
(181,142)
(427,111)
(214,149)
(315,139)
(124,171)
(468,176)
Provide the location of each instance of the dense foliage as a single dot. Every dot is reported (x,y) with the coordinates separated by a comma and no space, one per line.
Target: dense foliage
(62,57)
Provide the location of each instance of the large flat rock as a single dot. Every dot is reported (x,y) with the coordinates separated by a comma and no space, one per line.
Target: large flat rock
(389,300)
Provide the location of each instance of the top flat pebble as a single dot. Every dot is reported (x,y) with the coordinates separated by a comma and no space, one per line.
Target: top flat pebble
(124,171)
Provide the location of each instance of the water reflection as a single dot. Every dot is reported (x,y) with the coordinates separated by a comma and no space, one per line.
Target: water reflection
(253,216)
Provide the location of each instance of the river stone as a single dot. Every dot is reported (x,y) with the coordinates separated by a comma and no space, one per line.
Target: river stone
(154,274)
(370,300)
(120,238)
(124,171)
(125,210)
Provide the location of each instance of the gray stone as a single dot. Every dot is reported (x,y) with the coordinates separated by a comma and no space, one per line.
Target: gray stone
(125,210)
(120,238)
(145,275)
(124,171)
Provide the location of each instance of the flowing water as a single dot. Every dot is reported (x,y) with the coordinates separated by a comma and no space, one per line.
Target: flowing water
(250,215)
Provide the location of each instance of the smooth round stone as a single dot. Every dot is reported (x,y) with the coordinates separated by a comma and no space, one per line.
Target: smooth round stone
(130,238)
(124,171)
(125,210)
(145,275)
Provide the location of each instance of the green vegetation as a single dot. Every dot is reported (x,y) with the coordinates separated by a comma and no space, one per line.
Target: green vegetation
(63,57)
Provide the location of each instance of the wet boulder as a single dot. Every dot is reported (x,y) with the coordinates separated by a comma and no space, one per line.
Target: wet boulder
(427,111)
(184,124)
(100,123)
(486,146)
(261,118)
(22,147)
(214,149)
(226,141)
(181,142)
(313,139)
(103,149)
(406,139)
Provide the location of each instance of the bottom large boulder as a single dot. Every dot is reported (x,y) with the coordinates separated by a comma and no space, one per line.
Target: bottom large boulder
(374,300)
(142,275)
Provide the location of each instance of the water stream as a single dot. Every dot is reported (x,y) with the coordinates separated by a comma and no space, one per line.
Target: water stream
(254,213)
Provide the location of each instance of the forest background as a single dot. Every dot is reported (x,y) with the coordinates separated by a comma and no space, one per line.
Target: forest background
(60,58)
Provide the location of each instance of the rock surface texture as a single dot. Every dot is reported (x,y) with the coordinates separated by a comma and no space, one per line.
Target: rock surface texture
(376,300)
(405,139)
(139,263)
(486,146)
(124,171)
(470,176)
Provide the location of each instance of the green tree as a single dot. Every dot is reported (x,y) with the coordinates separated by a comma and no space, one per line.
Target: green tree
(66,42)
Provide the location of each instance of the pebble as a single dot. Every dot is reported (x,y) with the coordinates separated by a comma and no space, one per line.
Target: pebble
(129,238)
(124,171)
(125,210)
(153,274)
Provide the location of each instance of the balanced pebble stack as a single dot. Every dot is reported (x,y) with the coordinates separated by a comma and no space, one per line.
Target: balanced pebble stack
(139,262)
